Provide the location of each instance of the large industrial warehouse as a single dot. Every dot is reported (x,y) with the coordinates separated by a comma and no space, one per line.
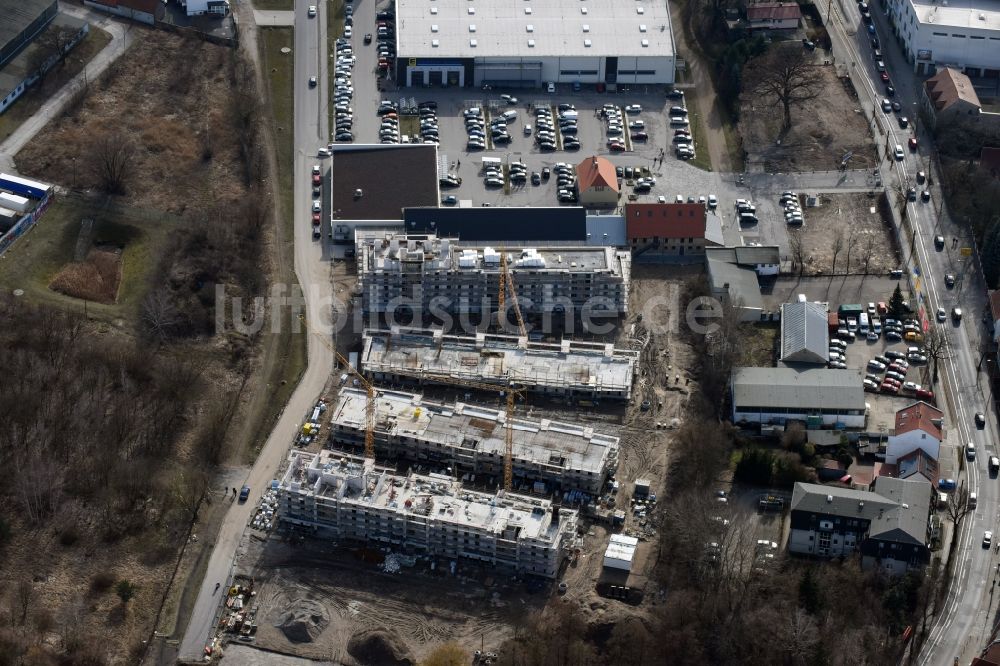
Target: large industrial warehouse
(530,44)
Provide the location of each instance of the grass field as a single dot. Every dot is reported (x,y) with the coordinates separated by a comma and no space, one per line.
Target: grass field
(702,159)
(32,262)
(33,100)
(274,5)
(334,28)
(290,364)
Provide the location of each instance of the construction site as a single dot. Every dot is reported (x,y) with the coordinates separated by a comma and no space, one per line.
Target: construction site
(448,485)
(570,369)
(545,456)
(429,514)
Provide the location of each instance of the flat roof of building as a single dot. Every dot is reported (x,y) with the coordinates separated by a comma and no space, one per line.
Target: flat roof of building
(499,223)
(527,30)
(18,15)
(795,387)
(18,68)
(436,496)
(499,359)
(974,14)
(545,442)
(376,182)
(436,254)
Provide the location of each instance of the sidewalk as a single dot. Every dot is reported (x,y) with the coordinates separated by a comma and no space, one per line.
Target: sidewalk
(122,36)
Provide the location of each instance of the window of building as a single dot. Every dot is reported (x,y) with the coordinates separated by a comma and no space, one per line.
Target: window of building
(958,36)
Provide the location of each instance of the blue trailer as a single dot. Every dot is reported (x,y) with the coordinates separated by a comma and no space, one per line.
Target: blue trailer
(24,187)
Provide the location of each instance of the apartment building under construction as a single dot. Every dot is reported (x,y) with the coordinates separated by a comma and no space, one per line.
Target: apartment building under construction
(570,369)
(428,515)
(432,276)
(548,456)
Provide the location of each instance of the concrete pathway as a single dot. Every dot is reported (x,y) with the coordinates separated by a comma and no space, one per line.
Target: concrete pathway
(122,36)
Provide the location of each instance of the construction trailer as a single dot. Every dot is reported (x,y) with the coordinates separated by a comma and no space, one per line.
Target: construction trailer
(548,456)
(568,369)
(432,515)
(24,186)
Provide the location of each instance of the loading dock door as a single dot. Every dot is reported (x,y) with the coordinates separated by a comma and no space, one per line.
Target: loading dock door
(416,77)
(436,78)
(510,75)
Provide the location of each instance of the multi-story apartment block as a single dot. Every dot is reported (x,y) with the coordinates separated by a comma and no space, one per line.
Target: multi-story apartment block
(471,440)
(423,514)
(430,276)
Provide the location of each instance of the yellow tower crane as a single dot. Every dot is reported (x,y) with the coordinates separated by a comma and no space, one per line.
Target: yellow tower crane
(509,391)
(507,282)
(369,404)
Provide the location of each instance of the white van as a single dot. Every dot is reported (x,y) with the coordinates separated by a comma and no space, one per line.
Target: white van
(863,323)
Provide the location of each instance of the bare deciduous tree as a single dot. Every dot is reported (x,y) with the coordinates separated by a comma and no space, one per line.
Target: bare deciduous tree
(868,250)
(24,597)
(937,348)
(836,247)
(159,316)
(50,48)
(784,76)
(797,249)
(112,154)
(958,506)
(852,242)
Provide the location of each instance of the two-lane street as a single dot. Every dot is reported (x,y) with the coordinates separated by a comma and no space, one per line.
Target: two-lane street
(962,624)
(313,275)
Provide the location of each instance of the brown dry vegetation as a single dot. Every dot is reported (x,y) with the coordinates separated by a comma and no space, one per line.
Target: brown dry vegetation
(172,97)
(110,426)
(103,440)
(822,131)
(96,278)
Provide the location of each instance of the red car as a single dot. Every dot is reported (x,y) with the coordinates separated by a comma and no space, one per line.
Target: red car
(316,219)
(913,143)
(925,394)
(885,76)
(317,179)
(889,388)
(617,147)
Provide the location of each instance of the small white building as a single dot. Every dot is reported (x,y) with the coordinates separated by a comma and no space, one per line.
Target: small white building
(620,552)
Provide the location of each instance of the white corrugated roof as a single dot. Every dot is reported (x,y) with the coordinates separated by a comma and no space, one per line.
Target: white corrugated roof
(813,388)
(557,27)
(804,333)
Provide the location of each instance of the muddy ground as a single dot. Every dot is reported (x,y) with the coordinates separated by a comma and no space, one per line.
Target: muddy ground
(854,222)
(823,131)
(314,598)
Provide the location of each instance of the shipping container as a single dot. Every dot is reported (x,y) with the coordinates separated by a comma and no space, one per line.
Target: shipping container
(833,321)
(14,202)
(24,187)
(852,309)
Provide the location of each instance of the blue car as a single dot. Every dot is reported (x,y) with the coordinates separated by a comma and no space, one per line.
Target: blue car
(871,29)
(244,493)
(947,484)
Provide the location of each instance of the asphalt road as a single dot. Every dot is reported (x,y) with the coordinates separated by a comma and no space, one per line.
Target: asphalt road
(313,272)
(963,624)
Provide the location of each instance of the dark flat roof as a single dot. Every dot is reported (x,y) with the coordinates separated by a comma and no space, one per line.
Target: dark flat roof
(559,223)
(390,177)
(16,15)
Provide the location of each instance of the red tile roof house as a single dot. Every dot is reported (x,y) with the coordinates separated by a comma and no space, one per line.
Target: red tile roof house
(597,182)
(918,427)
(774,16)
(676,229)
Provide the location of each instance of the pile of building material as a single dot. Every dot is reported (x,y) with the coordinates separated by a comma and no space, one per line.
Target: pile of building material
(239,614)
(265,517)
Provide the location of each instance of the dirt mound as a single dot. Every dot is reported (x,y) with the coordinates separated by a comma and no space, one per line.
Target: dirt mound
(96,278)
(304,621)
(379,646)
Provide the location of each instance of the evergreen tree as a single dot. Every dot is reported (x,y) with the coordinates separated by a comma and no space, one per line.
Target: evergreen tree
(896,308)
